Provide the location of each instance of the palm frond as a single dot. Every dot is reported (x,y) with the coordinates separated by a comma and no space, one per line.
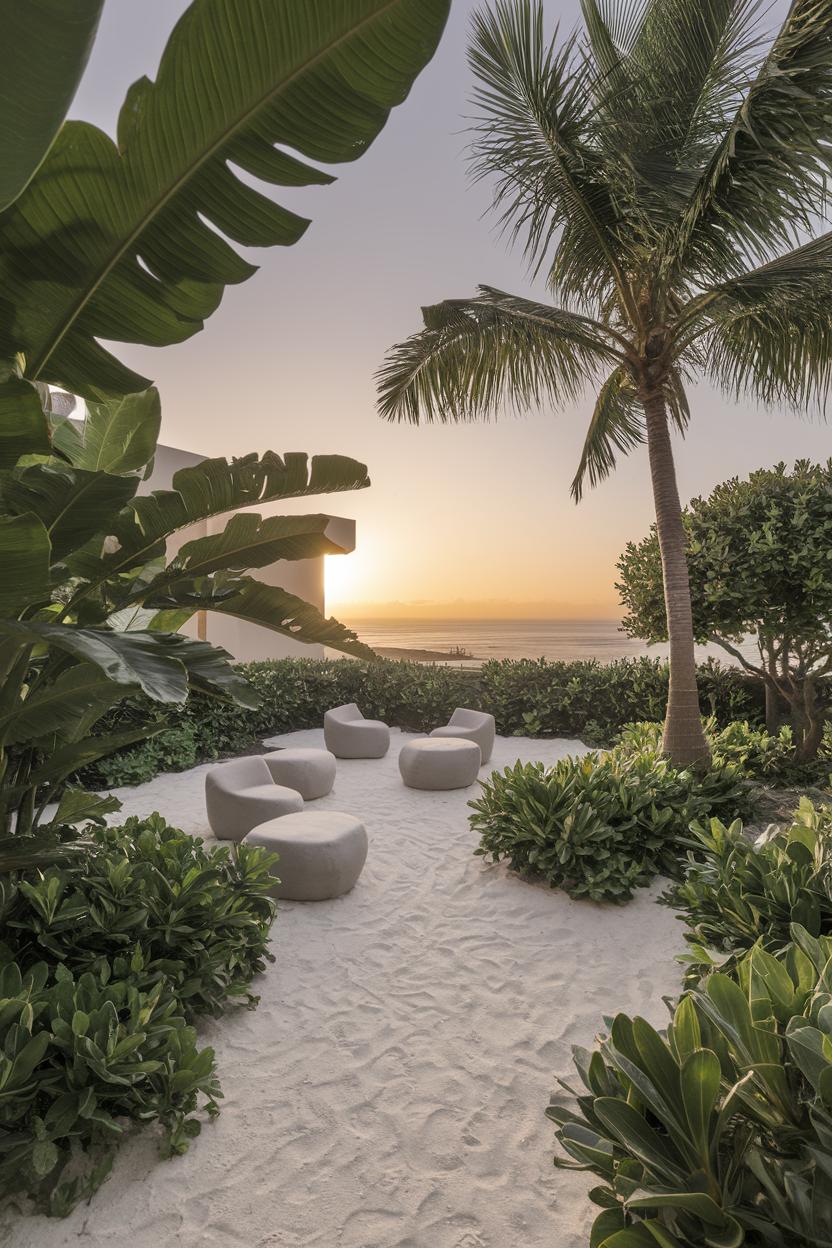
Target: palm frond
(475,356)
(766,180)
(534,104)
(617,425)
(770,330)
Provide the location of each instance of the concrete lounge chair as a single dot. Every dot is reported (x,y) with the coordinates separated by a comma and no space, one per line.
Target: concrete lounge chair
(476,726)
(241,794)
(349,735)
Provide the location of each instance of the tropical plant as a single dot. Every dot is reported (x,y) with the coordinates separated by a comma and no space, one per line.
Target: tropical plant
(656,170)
(737,892)
(759,755)
(758,559)
(133,242)
(89,596)
(601,825)
(717,1133)
(106,963)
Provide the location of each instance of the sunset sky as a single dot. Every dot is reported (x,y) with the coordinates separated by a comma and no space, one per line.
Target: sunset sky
(461,521)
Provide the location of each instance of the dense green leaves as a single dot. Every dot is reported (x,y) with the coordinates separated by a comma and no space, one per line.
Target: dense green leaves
(133,242)
(716,1132)
(598,826)
(758,556)
(49,42)
(108,960)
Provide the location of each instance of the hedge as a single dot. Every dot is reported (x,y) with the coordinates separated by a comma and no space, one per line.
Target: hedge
(588,700)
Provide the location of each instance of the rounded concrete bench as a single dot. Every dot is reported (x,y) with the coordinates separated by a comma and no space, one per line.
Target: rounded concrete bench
(241,794)
(311,772)
(349,735)
(321,853)
(476,726)
(439,763)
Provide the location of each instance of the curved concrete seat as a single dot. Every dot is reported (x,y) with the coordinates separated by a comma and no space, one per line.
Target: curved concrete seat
(241,794)
(311,772)
(439,763)
(476,726)
(321,853)
(349,735)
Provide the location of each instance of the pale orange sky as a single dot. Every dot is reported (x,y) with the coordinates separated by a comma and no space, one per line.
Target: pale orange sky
(460,521)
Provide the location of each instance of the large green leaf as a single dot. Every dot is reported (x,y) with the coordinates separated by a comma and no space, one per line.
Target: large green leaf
(216,486)
(126,658)
(73,504)
(47,44)
(284,613)
(73,701)
(109,241)
(24,562)
(248,541)
(24,428)
(118,435)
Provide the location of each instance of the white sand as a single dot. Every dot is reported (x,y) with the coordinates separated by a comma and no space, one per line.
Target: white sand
(389,1091)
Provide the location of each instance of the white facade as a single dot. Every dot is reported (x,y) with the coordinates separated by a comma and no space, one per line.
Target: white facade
(303,577)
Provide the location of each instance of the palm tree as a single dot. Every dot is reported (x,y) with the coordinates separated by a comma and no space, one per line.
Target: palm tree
(663,169)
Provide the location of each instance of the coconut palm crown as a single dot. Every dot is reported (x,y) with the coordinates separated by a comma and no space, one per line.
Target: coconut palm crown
(663,169)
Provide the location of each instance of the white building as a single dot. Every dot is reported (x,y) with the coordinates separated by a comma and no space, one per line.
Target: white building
(303,577)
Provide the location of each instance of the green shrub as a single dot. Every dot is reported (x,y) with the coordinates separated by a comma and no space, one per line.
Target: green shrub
(80,1057)
(719,1131)
(759,755)
(588,700)
(601,825)
(156,904)
(736,893)
(106,962)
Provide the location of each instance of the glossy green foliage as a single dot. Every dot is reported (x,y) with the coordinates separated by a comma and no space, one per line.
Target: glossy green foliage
(737,892)
(107,961)
(145,891)
(598,826)
(718,1132)
(81,1058)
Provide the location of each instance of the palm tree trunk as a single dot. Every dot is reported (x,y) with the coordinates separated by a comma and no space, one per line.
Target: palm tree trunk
(684,739)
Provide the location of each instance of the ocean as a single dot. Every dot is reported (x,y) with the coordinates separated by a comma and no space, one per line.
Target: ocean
(518,639)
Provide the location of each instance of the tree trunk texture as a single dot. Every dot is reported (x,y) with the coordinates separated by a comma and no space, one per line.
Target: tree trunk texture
(684,738)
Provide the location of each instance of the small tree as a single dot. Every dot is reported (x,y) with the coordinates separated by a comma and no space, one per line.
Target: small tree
(760,557)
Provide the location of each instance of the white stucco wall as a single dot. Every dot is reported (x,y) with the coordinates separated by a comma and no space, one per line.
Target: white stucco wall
(303,577)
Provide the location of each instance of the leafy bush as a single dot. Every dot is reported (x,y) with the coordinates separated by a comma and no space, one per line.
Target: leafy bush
(758,754)
(591,701)
(601,825)
(79,1058)
(719,1131)
(736,893)
(107,961)
(157,905)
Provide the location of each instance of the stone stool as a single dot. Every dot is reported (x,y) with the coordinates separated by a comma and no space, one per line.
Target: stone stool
(311,772)
(439,763)
(321,853)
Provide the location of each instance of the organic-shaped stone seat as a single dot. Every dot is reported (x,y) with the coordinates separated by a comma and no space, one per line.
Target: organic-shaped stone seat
(349,735)
(321,853)
(439,763)
(476,726)
(311,772)
(241,794)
